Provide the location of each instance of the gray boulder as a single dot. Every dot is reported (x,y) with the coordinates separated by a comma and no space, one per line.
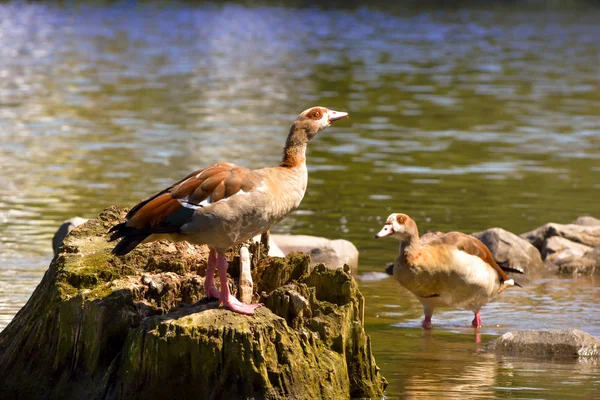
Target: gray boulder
(569,248)
(587,221)
(333,253)
(510,251)
(558,247)
(566,343)
(588,235)
(573,264)
(274,250)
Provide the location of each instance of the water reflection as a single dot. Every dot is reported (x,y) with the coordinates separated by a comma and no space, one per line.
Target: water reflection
(446,368)
(465,117)
(450,361)
(476,378)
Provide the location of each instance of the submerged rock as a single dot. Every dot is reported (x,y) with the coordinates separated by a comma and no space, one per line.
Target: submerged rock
(106,327)
(567,343)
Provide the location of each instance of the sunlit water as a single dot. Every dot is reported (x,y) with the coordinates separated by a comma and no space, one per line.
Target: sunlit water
(463,117)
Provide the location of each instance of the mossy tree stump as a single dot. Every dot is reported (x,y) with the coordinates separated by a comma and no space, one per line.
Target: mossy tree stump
(104,327)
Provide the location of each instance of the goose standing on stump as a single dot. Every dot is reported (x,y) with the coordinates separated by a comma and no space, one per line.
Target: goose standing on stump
(450,270)
(226,204)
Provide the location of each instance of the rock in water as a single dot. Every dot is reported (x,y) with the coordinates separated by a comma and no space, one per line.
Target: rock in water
(566,343)
(588,235)
(559,247)
(587,220)
(568,257)
(104,327)
(333,253)
(571,248)
(511,251)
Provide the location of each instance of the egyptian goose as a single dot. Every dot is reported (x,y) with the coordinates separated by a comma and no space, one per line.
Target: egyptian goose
(448,270)
(226,204)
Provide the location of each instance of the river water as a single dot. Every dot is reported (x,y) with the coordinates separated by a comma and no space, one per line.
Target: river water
(465,117)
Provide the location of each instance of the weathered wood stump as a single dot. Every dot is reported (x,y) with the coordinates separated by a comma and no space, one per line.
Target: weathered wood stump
(104,327)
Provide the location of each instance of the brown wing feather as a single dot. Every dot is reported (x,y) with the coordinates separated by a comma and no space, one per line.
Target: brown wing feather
(218,192)
(212,181)
(218,181)
(155,211)
(233,182)
(472,246)
(186,187)
(148,199)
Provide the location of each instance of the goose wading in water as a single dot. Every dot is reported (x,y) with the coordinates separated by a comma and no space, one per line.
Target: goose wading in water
(225,204)
(449,270)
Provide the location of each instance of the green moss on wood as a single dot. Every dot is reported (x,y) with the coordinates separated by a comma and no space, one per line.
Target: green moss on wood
(102,326)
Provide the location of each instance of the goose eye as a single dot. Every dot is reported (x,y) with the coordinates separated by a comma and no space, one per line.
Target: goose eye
(315,114)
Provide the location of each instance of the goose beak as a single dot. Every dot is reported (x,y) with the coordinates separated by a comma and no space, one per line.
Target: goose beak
(387,230)
(336,115)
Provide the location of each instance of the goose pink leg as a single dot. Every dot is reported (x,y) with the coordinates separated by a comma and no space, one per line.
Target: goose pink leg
(428,311)
(476,321)
(225,296)
(427,322)
(209,282)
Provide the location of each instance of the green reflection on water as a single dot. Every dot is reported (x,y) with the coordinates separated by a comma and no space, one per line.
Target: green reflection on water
(465,117)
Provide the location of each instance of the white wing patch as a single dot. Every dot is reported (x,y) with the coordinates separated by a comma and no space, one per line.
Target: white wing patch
(474,269)
(185,202)
(195,206)
(240,193)
(205,202)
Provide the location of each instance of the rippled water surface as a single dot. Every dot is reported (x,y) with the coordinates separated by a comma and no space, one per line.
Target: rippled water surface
(464,117)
